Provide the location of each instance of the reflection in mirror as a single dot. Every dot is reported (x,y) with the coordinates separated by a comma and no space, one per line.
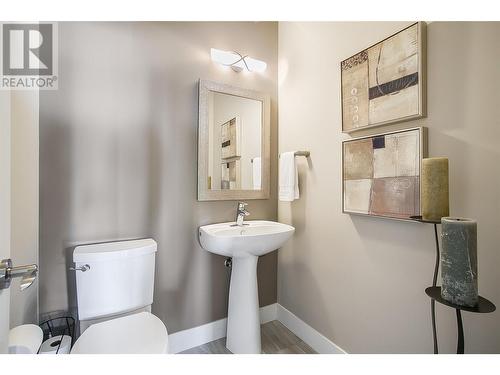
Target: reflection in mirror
(234,143)
(234,157)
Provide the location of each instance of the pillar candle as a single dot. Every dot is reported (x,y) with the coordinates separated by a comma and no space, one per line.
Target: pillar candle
(459,261)
(435,200)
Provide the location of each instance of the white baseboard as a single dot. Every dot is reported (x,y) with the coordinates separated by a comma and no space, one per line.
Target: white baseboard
(268,313)
(306,333)
(190,338)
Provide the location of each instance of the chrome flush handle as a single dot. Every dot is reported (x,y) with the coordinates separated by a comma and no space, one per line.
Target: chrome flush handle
(83,268)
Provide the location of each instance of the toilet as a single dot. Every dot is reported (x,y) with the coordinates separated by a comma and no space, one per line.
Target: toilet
(114,287)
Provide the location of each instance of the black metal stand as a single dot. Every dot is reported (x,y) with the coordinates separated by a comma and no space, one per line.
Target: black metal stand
(460,333)
(434,278)
(434,283)
(483,307)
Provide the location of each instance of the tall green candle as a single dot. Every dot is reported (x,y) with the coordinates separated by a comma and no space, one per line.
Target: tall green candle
(459,261)
(435,196)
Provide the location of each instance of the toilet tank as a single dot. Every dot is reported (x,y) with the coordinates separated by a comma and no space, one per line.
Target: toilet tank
(120,278)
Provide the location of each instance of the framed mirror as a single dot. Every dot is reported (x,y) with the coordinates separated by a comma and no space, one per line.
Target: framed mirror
(233,143)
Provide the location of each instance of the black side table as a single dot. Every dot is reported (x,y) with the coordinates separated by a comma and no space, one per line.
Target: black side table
(483,306)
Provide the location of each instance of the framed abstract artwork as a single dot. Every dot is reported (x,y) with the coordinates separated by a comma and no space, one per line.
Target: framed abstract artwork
(381,173)
(386,82)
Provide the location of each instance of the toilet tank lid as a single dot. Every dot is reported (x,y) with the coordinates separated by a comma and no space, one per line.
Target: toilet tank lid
(113,250)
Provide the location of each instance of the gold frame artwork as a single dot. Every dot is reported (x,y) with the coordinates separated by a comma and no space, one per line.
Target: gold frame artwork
(379,172)
(386,82)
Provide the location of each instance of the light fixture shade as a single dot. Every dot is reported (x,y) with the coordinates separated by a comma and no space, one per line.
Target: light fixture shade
(237,61)
(223,57)
(255,65)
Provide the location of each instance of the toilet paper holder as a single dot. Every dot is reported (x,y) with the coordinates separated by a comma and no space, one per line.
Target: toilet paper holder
(27,273)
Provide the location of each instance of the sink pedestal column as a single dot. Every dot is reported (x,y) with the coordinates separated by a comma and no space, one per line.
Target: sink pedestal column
(243,319)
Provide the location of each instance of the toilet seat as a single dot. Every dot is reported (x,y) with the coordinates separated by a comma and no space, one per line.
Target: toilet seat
(141,333)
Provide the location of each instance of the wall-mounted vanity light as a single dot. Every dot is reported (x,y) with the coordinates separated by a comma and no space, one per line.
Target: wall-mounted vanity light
(237,61)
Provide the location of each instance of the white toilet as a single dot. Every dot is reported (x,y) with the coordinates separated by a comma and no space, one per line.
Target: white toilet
(114,285)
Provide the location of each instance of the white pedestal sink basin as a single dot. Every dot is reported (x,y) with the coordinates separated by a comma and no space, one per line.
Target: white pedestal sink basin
(244,244)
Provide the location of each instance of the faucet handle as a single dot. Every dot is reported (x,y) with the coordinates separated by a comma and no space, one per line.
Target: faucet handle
(241,212)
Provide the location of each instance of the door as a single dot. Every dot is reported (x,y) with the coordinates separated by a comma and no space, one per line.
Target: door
(18,209)
(4,211)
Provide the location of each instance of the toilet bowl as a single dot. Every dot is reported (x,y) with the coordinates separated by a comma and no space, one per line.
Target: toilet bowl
(141,333)
(114,288)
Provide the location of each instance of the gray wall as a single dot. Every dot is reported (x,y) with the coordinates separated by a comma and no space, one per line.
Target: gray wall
(118,156)
(359,280)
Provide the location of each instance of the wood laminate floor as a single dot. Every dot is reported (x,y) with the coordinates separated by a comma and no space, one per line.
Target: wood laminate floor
(275,337)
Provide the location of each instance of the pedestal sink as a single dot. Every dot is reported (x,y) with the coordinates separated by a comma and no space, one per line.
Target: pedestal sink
(244,244)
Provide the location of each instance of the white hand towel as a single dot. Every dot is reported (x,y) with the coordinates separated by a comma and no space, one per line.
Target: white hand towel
(256,176)
(288,177)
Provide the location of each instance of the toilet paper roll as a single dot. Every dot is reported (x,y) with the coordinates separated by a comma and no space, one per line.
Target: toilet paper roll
(51,346)
(25,339)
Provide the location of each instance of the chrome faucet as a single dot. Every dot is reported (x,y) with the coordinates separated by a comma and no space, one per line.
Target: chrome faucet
(241,212)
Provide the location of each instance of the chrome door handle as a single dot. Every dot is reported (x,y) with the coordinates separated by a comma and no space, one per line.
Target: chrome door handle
(83,268)
(28,274)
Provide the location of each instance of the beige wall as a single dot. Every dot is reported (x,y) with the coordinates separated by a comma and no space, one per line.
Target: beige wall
(118,155)
(359,280)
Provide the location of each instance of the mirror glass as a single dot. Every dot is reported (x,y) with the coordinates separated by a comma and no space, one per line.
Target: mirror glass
(233,143)
(234,140)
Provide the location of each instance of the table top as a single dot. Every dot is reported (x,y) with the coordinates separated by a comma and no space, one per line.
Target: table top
(483,306)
